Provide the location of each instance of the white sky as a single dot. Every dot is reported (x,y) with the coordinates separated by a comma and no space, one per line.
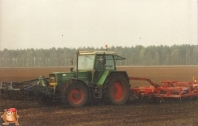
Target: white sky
(95,23)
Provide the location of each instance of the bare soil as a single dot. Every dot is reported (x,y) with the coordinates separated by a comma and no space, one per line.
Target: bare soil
(133,113)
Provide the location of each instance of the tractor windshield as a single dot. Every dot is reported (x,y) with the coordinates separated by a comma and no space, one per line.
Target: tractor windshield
(85,62)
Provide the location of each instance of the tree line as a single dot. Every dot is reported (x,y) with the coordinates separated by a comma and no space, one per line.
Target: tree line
(135,56)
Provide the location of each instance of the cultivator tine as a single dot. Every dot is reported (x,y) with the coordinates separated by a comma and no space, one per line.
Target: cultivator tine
(11,95)
(191,98)
(3,94)
(19,95)
(161,100)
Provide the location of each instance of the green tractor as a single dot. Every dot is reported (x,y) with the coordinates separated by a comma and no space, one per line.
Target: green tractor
(94,78)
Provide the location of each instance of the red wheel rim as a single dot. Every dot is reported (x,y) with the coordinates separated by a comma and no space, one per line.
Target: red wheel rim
(76,96)
(117,91)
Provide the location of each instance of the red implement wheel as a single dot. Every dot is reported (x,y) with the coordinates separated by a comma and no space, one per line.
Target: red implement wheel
(75,94)
(116,89)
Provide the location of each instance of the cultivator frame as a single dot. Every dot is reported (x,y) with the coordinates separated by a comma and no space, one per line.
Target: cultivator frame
(26,90)
(168,89)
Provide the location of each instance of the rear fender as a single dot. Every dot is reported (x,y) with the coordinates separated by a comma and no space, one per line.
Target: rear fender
(103,77)
(106,74)
(60,87)
(78,80)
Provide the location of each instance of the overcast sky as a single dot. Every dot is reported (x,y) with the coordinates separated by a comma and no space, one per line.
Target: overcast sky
(95,23)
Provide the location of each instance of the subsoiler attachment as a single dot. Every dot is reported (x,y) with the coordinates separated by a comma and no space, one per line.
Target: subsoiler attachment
(27,90)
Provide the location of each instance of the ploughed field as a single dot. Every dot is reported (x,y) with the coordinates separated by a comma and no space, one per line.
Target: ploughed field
(137,114)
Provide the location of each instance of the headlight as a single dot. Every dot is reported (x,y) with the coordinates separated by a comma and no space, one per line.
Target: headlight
(52,80)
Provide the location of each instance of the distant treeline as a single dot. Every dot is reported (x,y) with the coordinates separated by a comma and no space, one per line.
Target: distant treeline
(135,56)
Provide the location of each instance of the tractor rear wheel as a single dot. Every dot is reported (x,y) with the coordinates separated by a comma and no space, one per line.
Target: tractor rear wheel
(74,94)
(116,89)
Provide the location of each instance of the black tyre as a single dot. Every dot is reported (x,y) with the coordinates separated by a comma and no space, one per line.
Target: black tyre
(116,89)
(74,94)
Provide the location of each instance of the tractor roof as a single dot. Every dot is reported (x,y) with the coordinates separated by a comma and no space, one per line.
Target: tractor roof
(96,52)
(101,52)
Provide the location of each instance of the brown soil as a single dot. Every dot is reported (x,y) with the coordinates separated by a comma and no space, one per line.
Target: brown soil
(137,114)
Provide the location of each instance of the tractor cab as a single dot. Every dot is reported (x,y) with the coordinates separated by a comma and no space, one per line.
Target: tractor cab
(97,60)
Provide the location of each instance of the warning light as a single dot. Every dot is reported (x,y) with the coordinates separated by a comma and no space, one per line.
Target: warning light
(106,47)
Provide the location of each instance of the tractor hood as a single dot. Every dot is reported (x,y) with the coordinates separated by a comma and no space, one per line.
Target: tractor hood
(56,78)
(59,78)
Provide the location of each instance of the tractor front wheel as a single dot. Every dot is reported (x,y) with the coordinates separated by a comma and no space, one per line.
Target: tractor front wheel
(75,94)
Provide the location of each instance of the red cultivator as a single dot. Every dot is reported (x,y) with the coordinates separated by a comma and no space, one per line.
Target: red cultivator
(167,90)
